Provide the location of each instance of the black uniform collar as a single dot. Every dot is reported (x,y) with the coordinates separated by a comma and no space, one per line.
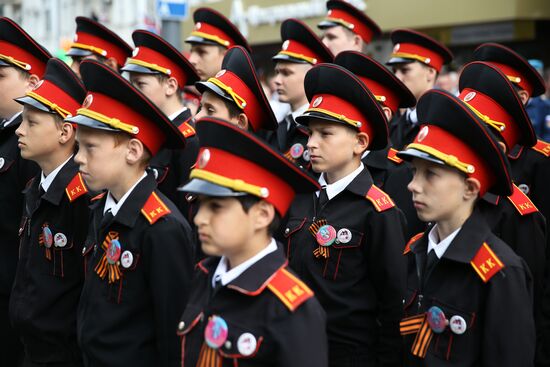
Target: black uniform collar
(60,182)
(254,279)
(184,116)
(131,209)
(361,184)
(466,243)
(377,159)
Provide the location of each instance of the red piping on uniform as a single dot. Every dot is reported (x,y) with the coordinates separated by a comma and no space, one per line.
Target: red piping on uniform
(337,264)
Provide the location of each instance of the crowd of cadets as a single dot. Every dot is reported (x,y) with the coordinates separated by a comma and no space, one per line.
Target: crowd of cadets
(381,223)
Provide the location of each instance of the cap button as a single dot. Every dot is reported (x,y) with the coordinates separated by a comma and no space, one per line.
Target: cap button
(181,326)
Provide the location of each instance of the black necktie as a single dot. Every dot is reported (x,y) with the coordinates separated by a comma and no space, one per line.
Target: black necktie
(431,260)
(217,285)
(282,131)
(323,198)
(107,219)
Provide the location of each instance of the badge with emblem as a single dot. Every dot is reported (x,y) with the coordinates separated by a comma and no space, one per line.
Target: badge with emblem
(317,102)
(60,240)
(126,259)
(220,73)
(46,239)
(246,344)
(457,324)
(436,319)
(422,134)
(343,236)
(524,188)
(296,150)
(38,85)
(468,97)
(215,333)
(135,52)
(88,101)
(325,235)
(306,155)
(285,45)
(109,262)
(204,158)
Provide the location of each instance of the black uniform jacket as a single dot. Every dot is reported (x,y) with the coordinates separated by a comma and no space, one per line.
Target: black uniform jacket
(381,163)
(49,280)
(171,167)
(531,173)
(130,320)
(15,172)
(480,280)
(266,301)
(402,131)
(360,283)
(292,143)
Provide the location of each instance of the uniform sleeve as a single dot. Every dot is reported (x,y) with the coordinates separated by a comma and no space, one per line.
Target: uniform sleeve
(388,268)
(509,330)
(169,250)
(301,338)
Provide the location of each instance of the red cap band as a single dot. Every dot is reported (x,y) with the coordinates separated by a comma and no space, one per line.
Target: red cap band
(212,33)
(514,76)
(350,22)
(19,55)
(99,46)
(419,53)
(156,58)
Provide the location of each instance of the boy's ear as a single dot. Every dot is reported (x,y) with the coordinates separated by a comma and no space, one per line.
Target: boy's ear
(32,81)
(135,151)
(362,143)
(242,121)
(264,213)
(67,133)
(171,86)
(472,188)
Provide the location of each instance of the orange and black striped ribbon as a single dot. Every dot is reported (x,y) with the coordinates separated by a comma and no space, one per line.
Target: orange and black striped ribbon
(103,267)
(422,340)
(47,251)
(209,357)
(320,251)
(411,325)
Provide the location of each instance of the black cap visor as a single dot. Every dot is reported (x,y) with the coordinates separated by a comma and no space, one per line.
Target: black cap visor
(201,187)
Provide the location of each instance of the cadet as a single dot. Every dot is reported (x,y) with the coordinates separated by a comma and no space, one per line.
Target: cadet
(530,165)
(160,71)
(469,296)
(515,219)
(236,95)
(212,36)
(22,64)
(247,308)
(383,165)
(346,241)
(139,254)
(346,28)
(416,60)
(301,50)
(95,41)
(50,272)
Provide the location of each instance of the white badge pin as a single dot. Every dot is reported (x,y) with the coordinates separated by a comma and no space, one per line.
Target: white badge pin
(457,324)
(246,344)
(60,240)
(126,259)
(344,235)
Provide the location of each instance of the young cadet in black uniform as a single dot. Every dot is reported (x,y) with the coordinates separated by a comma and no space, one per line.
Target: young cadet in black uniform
(22,64)
(247,308)
(139,254)
(212,36)
(160,71)
(346,28)
(416,60)
(514,219)
(346,240)
(384,165)
(301,50)
(469,296)
(236,95)
(50,273)
(95,41)
(530,165)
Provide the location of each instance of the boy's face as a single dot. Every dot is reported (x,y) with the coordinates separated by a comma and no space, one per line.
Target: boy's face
(101,158)
(212,106)
(438,191)
(207,59)
(39,134)
(223,226)
(151,86)
(332,147)
(289,81)
(417,77)
(12,85)
(338,39)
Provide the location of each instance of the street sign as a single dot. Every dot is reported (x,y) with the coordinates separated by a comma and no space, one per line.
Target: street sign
(173,9)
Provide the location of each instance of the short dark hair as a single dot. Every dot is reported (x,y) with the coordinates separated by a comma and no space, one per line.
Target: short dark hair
(248,201)
(232,108)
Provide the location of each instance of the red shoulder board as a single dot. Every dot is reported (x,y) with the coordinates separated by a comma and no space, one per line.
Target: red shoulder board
(186,129)
(379,199)
(542,147)
(289,289)
(98,196)
(486,263)
(523,204)
(154,208)
(76,188)
(411,241)
(392,156)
